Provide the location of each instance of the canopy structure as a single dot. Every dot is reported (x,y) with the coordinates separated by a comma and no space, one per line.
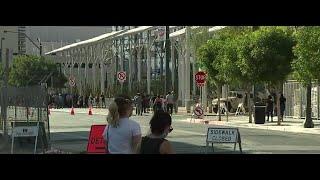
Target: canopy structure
(141,54)
(108,36)
(87,42)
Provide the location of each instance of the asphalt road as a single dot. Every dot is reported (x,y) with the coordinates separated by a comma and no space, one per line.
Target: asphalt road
(70,133)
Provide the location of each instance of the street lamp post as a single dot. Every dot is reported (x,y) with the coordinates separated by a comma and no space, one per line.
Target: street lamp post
(1,48)
(168,55)
(38,47)
(1,42)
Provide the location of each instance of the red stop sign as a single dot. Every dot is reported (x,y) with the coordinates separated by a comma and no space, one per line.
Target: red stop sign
(200,78)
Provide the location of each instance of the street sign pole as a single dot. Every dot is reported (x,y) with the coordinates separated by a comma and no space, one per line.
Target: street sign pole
(71,97)
(4,94)
(201,95)
(227,102)
(121,76)
(72,84)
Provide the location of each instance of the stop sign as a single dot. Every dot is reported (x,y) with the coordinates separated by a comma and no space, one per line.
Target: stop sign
(200,78)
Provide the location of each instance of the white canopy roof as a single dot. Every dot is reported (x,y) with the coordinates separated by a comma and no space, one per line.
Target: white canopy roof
(183,31)
(92,40)
(122,33)
(139,29)
(216,28)
(136,30)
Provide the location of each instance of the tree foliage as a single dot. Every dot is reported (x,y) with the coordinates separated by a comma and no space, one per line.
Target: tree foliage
(307,63)
(30,70)
(306,66)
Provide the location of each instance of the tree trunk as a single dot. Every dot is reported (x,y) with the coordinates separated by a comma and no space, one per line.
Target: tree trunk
(249,105)
(219,95)
(308,122)
(278,94)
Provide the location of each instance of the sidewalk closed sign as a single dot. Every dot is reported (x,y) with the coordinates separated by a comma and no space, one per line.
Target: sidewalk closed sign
(25,131)
(96,143)
(223,135)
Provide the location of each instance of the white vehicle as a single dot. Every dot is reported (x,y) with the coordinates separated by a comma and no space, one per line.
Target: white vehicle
(233,100)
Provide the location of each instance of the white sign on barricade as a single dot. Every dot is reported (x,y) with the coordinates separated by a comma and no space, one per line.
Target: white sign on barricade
(223,135)
(25,131)
(198,113)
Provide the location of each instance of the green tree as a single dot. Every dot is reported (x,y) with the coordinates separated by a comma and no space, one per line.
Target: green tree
(209,56)
(273,46)
(306,66)
(265,56)
(30,70)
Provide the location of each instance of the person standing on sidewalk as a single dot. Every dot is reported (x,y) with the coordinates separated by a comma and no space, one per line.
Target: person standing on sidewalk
(97,101)
(138,103)
(270,108)
(157,105)
(155,142)
(163,102)
(282,106)
(103,101)
(170,103)
(122,134)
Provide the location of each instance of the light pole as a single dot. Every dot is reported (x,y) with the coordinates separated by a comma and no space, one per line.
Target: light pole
(1,48)
(38,47)
(168,55)
(1,42)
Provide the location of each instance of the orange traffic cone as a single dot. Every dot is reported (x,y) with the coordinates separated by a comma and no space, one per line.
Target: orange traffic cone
(90,111)
(72,111)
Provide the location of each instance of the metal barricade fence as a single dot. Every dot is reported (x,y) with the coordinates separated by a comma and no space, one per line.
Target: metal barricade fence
(25,105)
(296,99)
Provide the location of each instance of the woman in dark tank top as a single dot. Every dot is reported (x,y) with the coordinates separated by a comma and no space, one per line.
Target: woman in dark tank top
(155,142)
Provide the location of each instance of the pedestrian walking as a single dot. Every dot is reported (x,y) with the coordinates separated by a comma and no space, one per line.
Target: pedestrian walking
(282,106)
(157,104)
(269,105)
(102,98)
(138,104)
(170,102)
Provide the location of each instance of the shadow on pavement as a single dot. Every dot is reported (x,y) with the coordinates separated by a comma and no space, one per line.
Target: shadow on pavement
(76,142)
(186,148)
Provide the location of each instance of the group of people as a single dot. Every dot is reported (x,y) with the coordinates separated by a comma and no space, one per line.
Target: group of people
(123,135)
(158,103)
(77,101)
(60,101)
(271,107)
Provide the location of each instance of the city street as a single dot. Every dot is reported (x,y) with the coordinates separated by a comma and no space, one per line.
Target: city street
(70,133)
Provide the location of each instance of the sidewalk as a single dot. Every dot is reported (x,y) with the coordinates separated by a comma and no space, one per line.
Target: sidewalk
(104,111)
(289,124)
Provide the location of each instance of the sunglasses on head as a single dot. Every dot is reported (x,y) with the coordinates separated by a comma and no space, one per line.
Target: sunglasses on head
(171,129)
